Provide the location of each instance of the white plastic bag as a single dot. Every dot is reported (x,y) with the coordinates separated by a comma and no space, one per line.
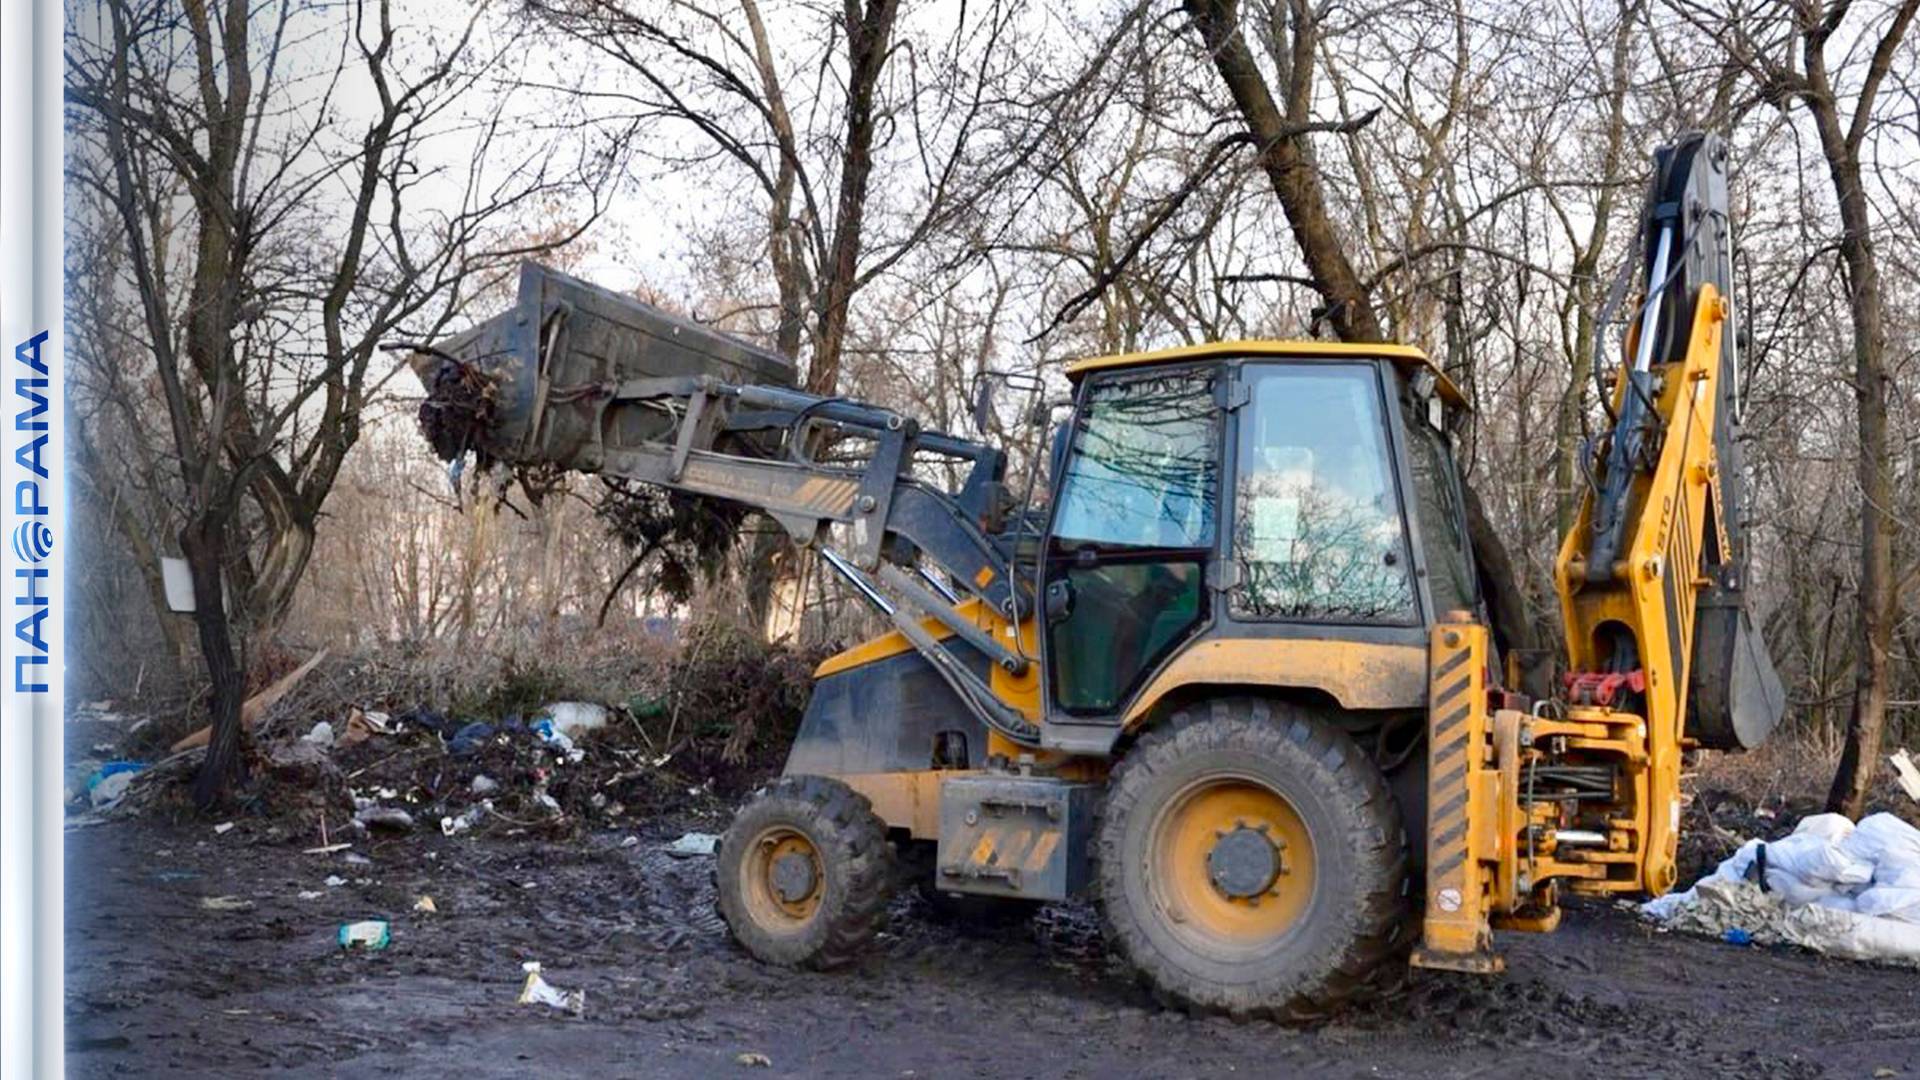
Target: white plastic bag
(1885,841)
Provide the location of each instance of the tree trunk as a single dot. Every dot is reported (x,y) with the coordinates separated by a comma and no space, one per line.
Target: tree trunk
(1873,628)
(224,766)
(869,33)
(1285,156)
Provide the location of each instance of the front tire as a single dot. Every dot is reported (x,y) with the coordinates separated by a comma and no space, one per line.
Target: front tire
(803,874)
(1250,860)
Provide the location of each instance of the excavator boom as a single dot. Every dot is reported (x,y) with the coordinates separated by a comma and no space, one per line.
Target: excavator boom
(1583,793)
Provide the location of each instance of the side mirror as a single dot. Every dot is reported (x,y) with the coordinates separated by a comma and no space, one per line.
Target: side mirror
(983,392)
(982,401)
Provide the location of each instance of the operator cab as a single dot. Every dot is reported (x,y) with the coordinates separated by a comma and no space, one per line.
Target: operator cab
(1292,491)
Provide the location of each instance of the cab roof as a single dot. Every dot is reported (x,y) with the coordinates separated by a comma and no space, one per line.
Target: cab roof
(1405,357)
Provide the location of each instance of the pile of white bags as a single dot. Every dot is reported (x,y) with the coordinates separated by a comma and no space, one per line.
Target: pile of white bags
(1833,886)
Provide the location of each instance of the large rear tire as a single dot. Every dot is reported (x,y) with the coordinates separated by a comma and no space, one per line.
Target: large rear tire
(804,872)
(1250,860)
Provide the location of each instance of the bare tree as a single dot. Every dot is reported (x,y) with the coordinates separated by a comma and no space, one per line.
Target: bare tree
(1789,50)
(271,250)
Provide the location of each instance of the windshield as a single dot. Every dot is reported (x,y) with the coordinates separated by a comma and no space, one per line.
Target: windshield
(1142,471)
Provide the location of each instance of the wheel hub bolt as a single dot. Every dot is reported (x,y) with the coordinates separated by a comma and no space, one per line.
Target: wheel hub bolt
(793,877)
(1243,863)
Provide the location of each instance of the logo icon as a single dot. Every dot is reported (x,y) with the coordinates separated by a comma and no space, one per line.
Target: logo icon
(33,541)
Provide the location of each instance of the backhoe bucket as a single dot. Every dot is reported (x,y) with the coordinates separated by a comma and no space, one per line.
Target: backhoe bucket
(1734,697)
(528,386)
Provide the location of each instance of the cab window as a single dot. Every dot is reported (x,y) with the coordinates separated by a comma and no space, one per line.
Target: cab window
(1442,518)
(1317,532)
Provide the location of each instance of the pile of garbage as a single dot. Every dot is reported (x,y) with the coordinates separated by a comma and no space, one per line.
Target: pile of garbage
(1832,886)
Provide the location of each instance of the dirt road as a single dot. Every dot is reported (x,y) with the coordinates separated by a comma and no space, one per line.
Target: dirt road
(159,984)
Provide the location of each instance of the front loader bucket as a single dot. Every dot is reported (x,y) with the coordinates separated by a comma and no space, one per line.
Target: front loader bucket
(526,386)
(1734,696)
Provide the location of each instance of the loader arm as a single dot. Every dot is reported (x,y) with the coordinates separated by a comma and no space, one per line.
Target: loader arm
(585,379)
(1582,793)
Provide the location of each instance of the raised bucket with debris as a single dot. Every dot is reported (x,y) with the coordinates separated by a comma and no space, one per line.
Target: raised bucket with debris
(541,383)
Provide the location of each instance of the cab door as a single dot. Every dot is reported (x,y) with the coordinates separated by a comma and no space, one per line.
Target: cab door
(1134,526)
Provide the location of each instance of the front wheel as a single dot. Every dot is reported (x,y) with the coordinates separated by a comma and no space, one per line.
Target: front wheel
(1250,860)
(803,873)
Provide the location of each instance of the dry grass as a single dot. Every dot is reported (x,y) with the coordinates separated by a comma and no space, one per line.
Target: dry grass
(1789,767)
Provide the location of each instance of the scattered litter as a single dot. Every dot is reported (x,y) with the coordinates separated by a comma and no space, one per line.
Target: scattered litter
(391,818)
(321,735)
(475,814)
(693,844)
(358,729)
(170,876)
(631,841)
(311,894)
(1736,936)
(226,903)
(425,905)
(559,740)
(469,738)
(549,802)
(753,1060)
(326,849)
(222,828)
(538,991)
(1832,887)
(108,784)
(334,881)
(484,785)
(1907,773)
(354,858)
(575,717)
(369,934)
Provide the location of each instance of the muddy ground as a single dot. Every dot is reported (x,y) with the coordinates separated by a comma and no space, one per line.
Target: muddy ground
(160,984)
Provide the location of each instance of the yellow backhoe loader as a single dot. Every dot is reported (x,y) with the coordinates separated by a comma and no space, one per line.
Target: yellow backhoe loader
(1233,678)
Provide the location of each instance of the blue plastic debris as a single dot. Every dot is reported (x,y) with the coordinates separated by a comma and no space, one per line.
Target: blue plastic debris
(1736,936)
(469,738)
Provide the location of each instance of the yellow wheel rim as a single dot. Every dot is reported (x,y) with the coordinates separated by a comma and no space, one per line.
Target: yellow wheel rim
(1230,864)
(783,879)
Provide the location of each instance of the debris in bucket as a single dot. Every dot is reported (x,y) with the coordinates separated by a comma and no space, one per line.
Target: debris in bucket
(367,934)
(538,991)
(1834,887)
(693,844)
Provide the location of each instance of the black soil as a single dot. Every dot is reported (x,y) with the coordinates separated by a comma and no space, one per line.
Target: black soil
(158,984)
